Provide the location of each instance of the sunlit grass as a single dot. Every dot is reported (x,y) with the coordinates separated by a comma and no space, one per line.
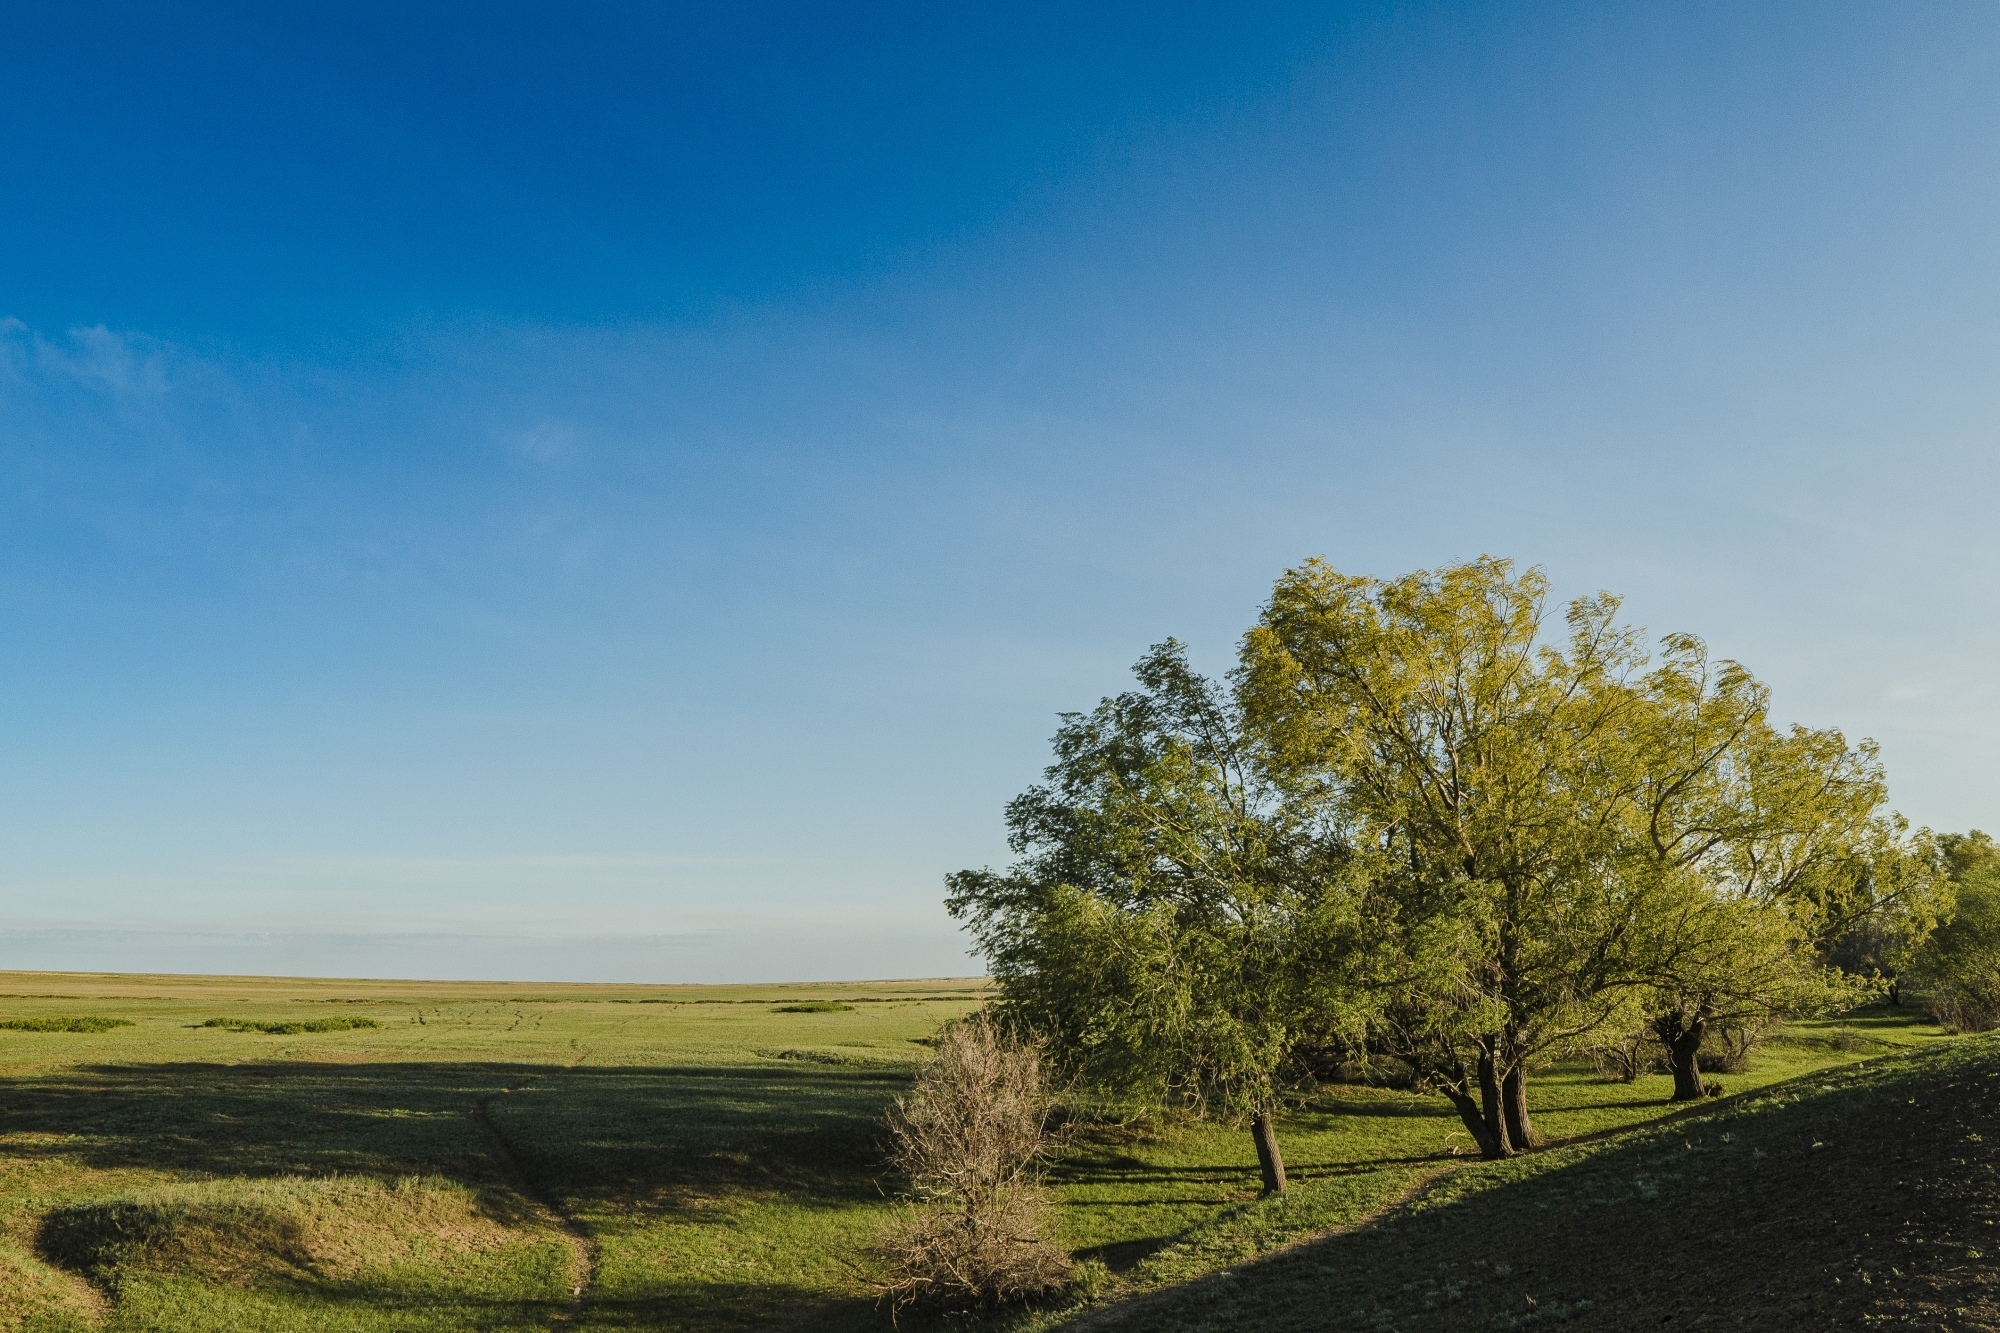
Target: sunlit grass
(719,1145)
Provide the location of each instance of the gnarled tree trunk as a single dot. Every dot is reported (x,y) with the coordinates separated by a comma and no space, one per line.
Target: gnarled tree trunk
(1682,1037)
(1514,1102)
(1500,1142)
(1268,1159)
(1475,1123)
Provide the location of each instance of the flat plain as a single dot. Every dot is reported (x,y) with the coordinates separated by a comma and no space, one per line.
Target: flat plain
(503,1156)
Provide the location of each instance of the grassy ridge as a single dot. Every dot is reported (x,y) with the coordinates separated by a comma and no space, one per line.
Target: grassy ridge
(1853,1197)
(718,1147)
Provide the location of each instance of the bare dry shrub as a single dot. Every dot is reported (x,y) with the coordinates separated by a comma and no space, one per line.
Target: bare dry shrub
(1728,1048)
(1625,1055)
(1965,1008)
(973,1138)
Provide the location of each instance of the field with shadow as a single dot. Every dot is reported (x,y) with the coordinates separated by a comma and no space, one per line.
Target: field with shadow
(514,1157)
(1861,1197)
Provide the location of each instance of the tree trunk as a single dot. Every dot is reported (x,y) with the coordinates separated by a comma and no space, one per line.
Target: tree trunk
(1268,1160)
(1896,993)
(1514,1100)
(1475,1124)
(1499,1142)
(1682,1038)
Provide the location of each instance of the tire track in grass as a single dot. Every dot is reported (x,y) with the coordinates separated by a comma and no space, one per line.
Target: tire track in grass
(582,1246)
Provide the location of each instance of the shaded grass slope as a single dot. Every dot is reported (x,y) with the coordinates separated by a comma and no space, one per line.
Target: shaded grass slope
(1860,1197)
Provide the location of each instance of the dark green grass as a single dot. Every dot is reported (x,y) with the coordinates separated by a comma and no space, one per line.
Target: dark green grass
(65,1023)
(1168,1205)
(294,1026)
(1853,1197)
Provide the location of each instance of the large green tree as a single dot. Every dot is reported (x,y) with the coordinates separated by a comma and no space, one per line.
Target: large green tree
(1173,926)
(1602,837)
(1779,845)
(1424,820)
(1438,720)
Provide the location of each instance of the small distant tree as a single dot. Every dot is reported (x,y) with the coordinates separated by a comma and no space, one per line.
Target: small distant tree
(1959,964)
(972,1137)
(1174,927)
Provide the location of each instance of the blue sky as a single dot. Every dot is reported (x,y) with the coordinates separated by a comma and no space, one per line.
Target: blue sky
(622,493)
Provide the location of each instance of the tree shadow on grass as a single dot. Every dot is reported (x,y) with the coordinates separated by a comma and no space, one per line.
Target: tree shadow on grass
(1830,1204)
(718,1305)
(609,1145)
(1407,1107)
(597,1134)
(680,1140)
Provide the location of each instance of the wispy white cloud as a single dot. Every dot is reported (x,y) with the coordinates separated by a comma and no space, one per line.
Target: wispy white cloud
(119,366)
(545,441)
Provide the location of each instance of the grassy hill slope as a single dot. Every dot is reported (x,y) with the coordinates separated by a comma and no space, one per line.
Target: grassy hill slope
(1860,1197)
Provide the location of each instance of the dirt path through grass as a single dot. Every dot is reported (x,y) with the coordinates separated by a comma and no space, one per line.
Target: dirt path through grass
(583,1247)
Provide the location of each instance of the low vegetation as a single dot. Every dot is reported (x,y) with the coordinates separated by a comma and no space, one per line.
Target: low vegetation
(65,1023)
(287,1027)
(473,1169)
(972,1139)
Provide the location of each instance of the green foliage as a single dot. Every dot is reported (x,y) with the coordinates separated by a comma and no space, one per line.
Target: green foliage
(1174,926)
(1959,963)
(65,1023)
(813,1007)
(1482,766)
(1417,825)
(292,1027)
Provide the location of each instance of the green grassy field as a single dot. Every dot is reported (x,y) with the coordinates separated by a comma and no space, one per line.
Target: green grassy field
(614,1157)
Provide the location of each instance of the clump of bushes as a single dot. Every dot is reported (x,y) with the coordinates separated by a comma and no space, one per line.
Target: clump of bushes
(814,1007)
(1728,1048)
(1625,1055)
(62,1023)
(294,1027)
(973,1137)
